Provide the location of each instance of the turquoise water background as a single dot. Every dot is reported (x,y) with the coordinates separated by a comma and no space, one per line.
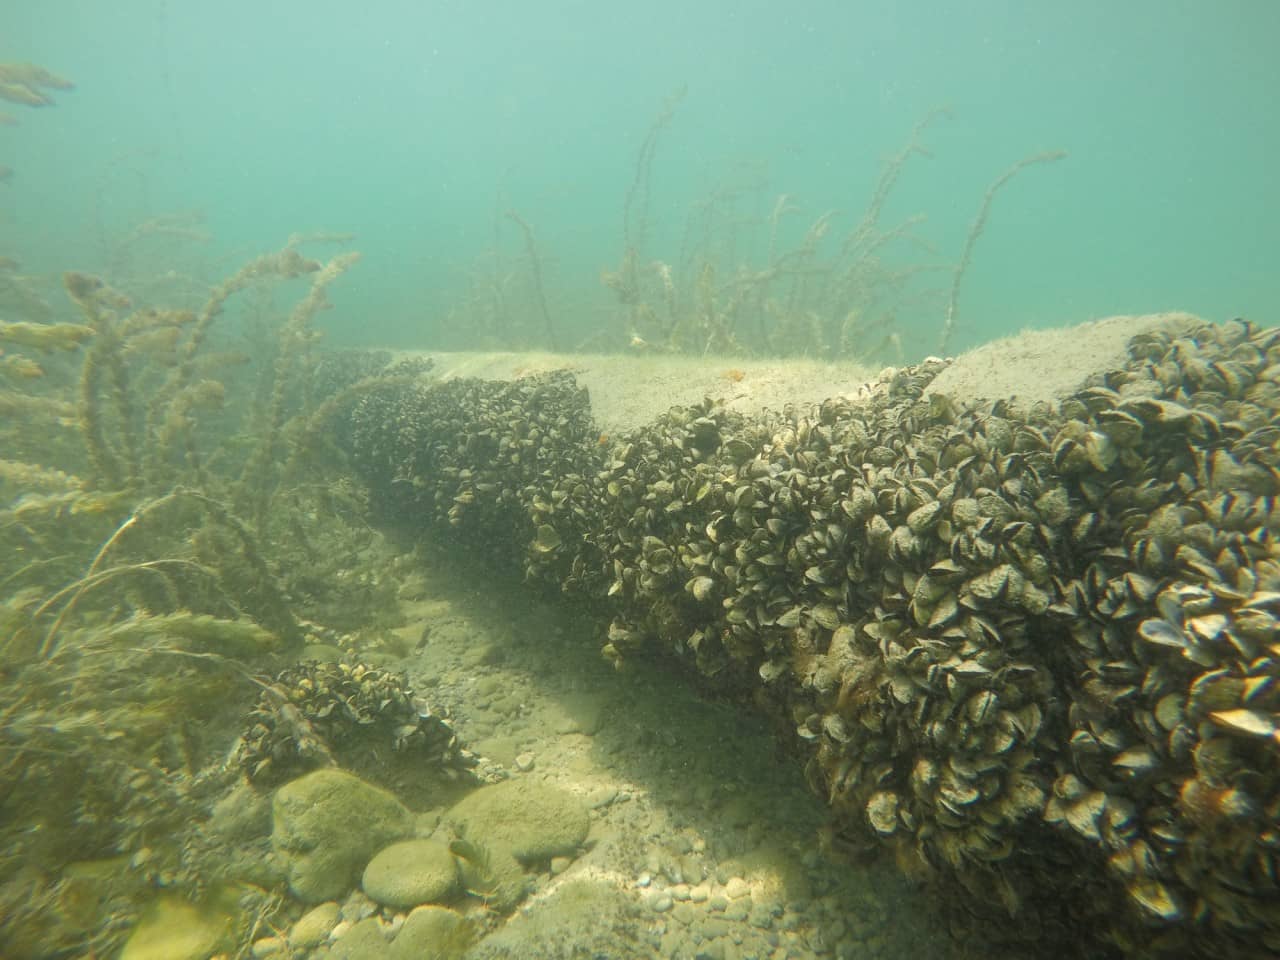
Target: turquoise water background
(414,126)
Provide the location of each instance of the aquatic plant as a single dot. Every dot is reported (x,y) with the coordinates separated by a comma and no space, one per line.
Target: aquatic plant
(145,581)
(812,299)
(535,267)
(737,285)
(27,85)
(975,231)
(20,293)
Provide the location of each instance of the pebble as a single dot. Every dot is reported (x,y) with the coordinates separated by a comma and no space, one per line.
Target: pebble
(672,870)
(736,888)
(680,892)
(559,865)
(312,928)
(410,873)
(525,762)
(644,879)
(339,929)
(506,706)
(715,927)
(267,946)
(659,902)
(718,903)
(357,906)
(700,893)
(362,940)
(818,941)
(672,942)
(602,798)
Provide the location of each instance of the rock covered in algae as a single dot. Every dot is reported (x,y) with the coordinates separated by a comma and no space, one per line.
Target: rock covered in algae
(598,919)
(429,931)
(327,825)
(174,929)
(410,873)
(363,941)
(492,873)
(534,821)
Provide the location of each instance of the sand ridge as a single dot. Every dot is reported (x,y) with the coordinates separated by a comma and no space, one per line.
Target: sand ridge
(629,390)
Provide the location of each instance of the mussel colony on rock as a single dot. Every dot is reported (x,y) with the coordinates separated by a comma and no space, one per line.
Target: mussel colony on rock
(336,714)
(1033,649)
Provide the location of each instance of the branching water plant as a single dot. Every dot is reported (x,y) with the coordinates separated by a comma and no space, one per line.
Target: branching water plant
(146,583)
(27,85)
(821,297)
(745,284)
(975,231)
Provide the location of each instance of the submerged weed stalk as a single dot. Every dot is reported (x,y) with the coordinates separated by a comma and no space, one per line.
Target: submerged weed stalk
(103,356)
(276,609)
(535,265)
(975,231)
(633,226)
(257,468)
(172,400)
(303,432)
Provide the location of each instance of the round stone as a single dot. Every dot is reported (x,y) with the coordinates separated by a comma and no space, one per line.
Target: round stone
(173,929)
(360,941)
(410,873)
(424,932)
(326,825)
(313,927)
(533,820)
(659,902)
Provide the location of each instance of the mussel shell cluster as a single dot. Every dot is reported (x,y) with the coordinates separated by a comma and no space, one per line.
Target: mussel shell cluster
(474,456)
(318,714)
(1032,648)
